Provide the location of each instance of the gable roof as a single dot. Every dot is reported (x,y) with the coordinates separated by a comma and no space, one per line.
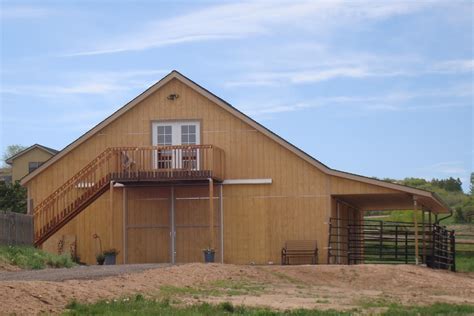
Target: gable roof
(228,107)
(24,151)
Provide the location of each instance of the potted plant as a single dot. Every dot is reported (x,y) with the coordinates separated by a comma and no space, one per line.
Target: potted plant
(110,256)
(100,258)
(209,254)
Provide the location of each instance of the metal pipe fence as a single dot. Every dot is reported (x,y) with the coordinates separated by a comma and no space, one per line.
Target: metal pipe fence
(372,241)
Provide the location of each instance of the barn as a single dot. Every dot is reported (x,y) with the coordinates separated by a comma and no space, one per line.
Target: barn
(178,170)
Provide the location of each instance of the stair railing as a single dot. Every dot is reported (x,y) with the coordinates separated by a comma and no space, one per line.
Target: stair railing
(63,200)
(123,162)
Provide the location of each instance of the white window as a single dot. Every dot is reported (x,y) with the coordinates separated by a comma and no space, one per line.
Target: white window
(174,134)
(188,134)
(164,135)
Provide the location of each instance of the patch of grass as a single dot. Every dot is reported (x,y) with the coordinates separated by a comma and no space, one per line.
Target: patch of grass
(233,287)
(319,301)
(27,257)
(285,277)
(435,309)
(141,306)
(379,302)
(170,291)
(395,309)
(216,288)
(464,262)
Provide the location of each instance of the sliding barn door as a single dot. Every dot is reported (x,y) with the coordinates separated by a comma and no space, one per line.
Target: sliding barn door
(148,225)
(192,220)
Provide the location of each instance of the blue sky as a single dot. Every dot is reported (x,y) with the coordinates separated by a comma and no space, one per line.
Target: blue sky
(377,88)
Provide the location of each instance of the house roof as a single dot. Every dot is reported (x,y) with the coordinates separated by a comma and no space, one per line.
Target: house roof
(24,151)
(228,107)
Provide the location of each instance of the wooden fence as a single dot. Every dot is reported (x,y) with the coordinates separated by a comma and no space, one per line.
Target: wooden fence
(16,229)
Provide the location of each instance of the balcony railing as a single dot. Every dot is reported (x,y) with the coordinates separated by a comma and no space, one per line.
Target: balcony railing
(125,164)
(168,162)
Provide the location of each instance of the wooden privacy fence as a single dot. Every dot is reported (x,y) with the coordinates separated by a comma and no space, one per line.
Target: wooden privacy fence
(370,241)
(465,243)
(16,229)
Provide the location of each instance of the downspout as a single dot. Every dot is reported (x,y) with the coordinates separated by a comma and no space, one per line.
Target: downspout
(447,216)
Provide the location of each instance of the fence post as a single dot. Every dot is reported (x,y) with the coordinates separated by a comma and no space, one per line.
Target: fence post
(348,244)
(381,240)
(435,250)
(329,241)
(406,247)
(452,238)
(396,242)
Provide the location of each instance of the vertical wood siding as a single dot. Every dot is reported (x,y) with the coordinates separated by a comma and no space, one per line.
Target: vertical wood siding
(258,219)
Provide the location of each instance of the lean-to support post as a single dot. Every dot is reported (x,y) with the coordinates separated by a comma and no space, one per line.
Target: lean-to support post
(338,215)
(423,234)
(431,232)
(415,223)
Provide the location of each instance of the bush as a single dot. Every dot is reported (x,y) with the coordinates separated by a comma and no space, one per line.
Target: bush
(28,257)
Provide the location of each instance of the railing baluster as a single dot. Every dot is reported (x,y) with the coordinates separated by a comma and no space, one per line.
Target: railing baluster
(121,163)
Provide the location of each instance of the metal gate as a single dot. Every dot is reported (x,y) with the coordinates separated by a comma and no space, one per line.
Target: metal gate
(371,241)
(443,249)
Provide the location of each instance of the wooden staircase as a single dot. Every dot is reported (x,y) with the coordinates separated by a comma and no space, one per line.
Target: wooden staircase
(124,164)
(72,197)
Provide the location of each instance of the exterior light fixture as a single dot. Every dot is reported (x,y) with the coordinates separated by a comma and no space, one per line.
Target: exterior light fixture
(173,96)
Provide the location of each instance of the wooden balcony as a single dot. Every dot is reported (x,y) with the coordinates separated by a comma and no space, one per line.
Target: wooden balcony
(167,163)
(127,165)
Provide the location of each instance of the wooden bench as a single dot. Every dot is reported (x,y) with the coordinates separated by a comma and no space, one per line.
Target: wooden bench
(299,249)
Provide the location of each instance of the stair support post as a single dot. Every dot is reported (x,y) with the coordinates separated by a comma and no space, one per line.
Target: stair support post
(211,213)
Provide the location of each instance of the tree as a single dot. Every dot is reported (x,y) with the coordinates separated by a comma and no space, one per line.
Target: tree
(472,183)
(13,198)
(11,151)
(451,184)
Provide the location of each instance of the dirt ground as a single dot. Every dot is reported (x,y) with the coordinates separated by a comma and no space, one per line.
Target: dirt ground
(75,273)
(279,287)
(7,267)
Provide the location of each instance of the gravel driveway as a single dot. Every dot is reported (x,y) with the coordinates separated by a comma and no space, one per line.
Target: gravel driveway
(76,273)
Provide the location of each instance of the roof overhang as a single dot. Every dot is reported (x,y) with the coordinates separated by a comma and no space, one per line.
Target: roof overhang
(228,107)
(390,202)
(26,150)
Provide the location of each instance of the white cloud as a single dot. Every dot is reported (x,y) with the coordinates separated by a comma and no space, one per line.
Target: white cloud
(353,67)
(454,66)
(96,83)
(448,167)
(245,19)
(302,76)
(23,12)
(396,101)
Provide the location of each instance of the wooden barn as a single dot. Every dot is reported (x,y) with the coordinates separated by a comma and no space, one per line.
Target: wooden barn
(178,170)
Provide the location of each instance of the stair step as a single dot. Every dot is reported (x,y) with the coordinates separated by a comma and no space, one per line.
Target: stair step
(66,214)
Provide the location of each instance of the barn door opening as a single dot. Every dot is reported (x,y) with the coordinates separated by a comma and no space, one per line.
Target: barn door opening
(147,225)
(191,224)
